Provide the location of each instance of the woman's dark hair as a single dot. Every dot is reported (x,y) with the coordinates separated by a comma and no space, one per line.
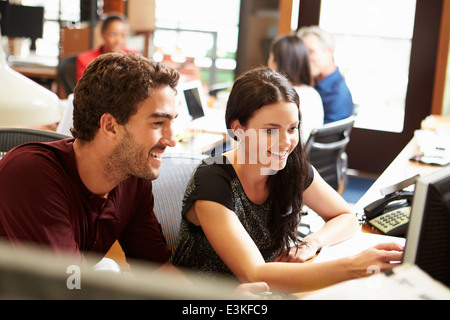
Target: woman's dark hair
(116,83)
(291,55)
(251,91)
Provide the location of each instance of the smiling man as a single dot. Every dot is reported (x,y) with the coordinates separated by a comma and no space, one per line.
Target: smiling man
(80,195)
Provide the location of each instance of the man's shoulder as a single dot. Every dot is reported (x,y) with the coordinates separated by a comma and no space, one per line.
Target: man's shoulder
(35,155)
(34,171)
(333,80)
(334,85)
(339,81)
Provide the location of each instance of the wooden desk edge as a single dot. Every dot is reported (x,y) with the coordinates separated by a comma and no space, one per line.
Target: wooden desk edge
(37,72)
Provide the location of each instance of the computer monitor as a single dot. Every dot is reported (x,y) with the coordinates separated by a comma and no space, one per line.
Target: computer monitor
(428,237)
(22,21)
(193,98)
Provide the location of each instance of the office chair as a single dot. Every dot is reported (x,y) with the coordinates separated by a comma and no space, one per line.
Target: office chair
(12,137)
(67,70)
(326,148)
(168,191)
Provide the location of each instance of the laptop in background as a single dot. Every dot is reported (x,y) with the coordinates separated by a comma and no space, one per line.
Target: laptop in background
(194,112)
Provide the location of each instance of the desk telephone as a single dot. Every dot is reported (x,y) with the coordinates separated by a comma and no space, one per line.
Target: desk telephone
(390,215)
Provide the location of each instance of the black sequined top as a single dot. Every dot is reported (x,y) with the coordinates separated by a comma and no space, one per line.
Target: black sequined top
(215,180)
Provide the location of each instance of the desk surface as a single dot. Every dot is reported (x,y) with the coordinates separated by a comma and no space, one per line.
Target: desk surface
(36,71)
(203,134)
(35,66)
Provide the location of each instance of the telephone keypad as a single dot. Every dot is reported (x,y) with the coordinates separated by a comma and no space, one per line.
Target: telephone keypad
(392,221)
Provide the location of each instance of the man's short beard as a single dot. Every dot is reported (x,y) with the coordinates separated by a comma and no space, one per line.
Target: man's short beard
(128,159)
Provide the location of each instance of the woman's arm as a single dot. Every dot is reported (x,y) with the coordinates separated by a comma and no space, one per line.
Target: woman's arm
(340,222)
(236,248)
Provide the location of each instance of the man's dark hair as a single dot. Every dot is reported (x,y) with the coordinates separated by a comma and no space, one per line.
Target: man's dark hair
(116,83)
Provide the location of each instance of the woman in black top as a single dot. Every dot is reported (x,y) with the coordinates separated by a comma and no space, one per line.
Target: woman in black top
(241,209)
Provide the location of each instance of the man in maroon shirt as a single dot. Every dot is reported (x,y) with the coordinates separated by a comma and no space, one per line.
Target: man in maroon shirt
(80,195)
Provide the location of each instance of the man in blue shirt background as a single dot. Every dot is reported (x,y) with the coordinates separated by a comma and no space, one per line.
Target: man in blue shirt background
(329,82)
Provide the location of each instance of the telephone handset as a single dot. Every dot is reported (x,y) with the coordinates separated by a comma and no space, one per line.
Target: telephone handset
(390,215)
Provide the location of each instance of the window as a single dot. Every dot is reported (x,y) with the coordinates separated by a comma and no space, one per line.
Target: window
(194,29)
(373,45)
(54,12)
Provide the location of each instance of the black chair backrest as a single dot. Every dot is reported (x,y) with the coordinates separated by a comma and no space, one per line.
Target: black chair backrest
(67,73)
(13,137)
(326,148)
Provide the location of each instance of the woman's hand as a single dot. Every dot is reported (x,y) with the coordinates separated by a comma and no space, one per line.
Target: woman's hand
(383,256)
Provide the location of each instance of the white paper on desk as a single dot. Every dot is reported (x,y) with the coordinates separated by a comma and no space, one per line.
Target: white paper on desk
(356,244)
(408,282)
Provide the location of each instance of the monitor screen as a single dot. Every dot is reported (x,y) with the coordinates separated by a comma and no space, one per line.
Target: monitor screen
(428,237)
(21,21)
(194,103)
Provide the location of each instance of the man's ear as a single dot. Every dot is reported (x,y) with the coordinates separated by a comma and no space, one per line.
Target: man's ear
(109,126)
(330,52)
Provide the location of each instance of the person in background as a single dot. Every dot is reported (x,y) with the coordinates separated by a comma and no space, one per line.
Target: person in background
(114,32)
(241,209)
(329,82)
(289,55)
